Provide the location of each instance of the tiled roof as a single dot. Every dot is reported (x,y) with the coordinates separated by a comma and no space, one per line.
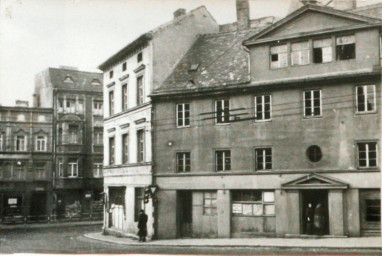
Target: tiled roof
(221,60)
(75,79)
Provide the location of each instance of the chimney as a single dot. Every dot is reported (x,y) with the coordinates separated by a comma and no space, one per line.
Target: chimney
(35,101)
(180,12)
(242,14)
(22,103)
(344,4)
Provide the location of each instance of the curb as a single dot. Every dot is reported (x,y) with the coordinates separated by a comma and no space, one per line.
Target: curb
(279,247)
(53,225)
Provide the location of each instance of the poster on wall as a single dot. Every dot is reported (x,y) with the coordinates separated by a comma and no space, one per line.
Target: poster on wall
(236,208)
(12,200)
(247,209)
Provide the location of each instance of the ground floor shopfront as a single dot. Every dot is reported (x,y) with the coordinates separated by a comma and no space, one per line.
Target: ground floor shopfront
(335,204)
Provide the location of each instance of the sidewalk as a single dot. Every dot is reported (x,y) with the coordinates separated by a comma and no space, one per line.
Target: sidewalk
(374,243)
(48,225)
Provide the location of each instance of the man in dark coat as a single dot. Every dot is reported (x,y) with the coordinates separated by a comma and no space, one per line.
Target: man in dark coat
(142,221)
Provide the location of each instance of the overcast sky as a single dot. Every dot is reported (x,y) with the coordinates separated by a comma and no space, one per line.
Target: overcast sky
(37,34)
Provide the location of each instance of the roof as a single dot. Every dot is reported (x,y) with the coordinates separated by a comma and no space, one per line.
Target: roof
(75,79)
(220,58)
(142,40)
(373,10)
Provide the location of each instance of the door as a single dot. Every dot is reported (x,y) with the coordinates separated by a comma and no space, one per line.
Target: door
(315,214)
(38,206)
(185,213)
(117,207)
(370,212)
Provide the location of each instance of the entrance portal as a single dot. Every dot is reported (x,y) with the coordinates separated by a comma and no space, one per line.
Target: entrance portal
(38,206)
(185,213)
(315,217)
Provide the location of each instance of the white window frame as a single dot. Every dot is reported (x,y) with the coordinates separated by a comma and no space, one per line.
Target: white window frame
(367,144)
(181,157)
(97,108)
(125,148)
(312,106)
(182,112)
(61,168)
(143,146)
(125,97)
(41,142)
(1,141)
(98,138)
(366,95)
(263,103)
(140,90)
(223,116)
(111,102)
(264,158)
(73,169)
(98,168)
(280,50)
(324,44)
(299,52)
(224,158)
(24,140)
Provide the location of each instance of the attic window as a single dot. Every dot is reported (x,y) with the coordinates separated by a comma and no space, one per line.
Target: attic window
(279,56)
(95,82)
(194,67)
(68,79)
(139,57)
(322,50)
(345,47)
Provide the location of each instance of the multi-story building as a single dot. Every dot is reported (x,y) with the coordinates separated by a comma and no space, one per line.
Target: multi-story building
(25,163)
(281,138)
(77,102)
(129,77)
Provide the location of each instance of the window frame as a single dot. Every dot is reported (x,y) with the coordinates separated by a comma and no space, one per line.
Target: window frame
(139,57)
(183,112)
(255,99)
(125,148)
(124,97)
(111,102)
(337,45)
(312,106)
(140,90)
(111,150)
(212,196)
(141,145)
(60,163)
(322,51)
(2,141)
(124,66)
(286,52)
(73,172)
(224,159)
(98,167)
(41,144)
(223,111)
(261,202)
(364,86)
(367,154)
(24,140)
(264,156)
(183,167)
(139,196)
(300,51)
(111,74)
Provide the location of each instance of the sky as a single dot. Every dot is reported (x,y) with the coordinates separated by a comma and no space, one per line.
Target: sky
(37,34)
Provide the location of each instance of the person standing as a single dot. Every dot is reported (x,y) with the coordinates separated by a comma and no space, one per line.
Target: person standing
(319,219)
(142,226)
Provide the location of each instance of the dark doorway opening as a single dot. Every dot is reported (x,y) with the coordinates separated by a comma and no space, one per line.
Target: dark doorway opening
(185,213)
(38,206)
(315,214)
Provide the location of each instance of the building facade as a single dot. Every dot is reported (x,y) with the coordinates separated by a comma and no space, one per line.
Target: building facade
(129,78)
(280,138)
(25,163)
(77,102)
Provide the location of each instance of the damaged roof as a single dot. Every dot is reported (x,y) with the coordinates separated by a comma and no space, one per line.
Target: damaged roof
(215,60)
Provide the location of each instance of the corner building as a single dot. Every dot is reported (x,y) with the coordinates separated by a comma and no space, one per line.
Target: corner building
(130,75)
(257,130)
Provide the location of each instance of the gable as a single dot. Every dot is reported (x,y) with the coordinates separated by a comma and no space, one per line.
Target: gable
(311,21)
(314,181)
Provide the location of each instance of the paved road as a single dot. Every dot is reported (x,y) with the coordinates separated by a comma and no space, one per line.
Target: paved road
(71,240)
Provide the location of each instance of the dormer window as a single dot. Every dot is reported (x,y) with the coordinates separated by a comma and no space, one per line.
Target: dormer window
(345,47)
(139,57)
(322,51)
(279,56)
(68,79)
(300,53)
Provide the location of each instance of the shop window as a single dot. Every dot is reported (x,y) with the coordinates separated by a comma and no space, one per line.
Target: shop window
(183,115)
(41,143)
(140,99)
(183,162)
(111,103)
(141,145)
(263,158)
(72,169)
(97,169)
(111,150)
(312,103)
(300,54)
(222,111)
(322,51)
(21,143)
(209,203)
(223,160)
(97,108)
(263,108)
(139,202)
(279,56)
(367,155)
(124,97)
(345,47)
(253,203)
(373,210)
(314,153)
(124,66)
(366,98)
(125,148)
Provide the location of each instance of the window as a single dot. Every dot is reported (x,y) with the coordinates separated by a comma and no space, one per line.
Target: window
(80,107)
(60,105)
(139,57)
(125,148)
(41,143)
(111,74)
(19,170)
(223,160)
(209,203)
(367,154)
(73,133)
(312,103)
(253,203)
(222,111)
(141,145)
(40,173)
(70,106)
(263,158)
(97,108)
(21,118)
(300,53)
(183,162)
(111,102)
(263,108)
(314,153)
(124,97)
(111,150)
(279,56)
(98,138)
(365,98)
(139,205)
(322,51)
(73,169)
(345,47)
(373,210)
(2,136)
(124,66)
(41,118)
(60,168)
(183,114)
(97,170)
(21,143)
(139,90)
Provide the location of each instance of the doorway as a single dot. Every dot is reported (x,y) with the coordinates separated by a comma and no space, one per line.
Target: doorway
(185,213)
(315,214)
(38,206)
